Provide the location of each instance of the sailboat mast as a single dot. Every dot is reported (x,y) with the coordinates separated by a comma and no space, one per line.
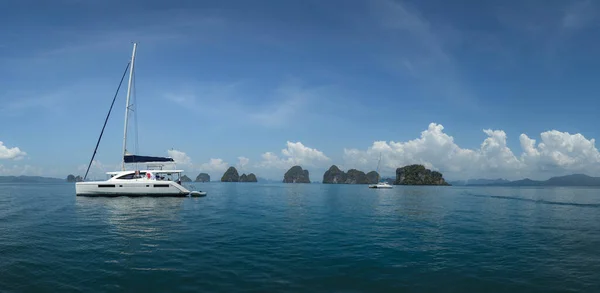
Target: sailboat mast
(127,106)
(378,162)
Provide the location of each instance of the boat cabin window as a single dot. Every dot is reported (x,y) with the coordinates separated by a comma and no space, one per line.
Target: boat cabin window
(163,176)
(132,176)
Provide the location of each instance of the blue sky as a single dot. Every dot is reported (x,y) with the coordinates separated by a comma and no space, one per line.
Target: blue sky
(341,81)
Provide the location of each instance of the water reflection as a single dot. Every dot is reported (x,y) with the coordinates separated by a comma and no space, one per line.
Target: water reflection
(132,217)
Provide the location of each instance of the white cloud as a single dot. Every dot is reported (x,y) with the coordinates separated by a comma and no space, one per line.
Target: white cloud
(242,162)
(295,154)
(211,167)
(180,157)
(560,150)
(557,153)
(214,165)
(13,153)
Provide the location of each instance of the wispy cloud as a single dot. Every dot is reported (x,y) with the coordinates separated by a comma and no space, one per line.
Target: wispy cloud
(289,101)
(18,170)
(276,108)
(151,28)
(15,104)
(420,51)
(545,32)
(53,100)
(579,15)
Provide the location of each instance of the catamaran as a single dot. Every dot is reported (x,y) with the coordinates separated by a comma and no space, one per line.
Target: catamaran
(154,180)
(381,184)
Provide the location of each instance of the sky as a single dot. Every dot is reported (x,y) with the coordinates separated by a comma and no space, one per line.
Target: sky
(474,89)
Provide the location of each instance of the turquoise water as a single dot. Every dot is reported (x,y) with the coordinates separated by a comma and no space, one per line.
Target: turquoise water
(302,238)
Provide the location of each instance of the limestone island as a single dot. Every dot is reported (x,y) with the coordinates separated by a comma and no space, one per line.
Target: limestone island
(231,175)
(203,177)
(248,178)
(184,178)
(418,175)
(336,176)
(72,178)
(296,175)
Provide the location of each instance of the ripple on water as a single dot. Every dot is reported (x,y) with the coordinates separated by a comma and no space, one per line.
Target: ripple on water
(302,238)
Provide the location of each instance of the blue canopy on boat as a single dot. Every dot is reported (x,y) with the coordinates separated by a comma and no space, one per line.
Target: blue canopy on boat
(145,159)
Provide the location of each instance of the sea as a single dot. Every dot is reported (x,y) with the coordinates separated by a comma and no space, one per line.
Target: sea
(248,237)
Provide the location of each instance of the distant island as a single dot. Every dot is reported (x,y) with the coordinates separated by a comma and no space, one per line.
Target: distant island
(336,176)
(29,179)
(418,175)
(296,175)
(248,178)
(203,177)
(407,175)
(72,178)
(232,175)
(567,180)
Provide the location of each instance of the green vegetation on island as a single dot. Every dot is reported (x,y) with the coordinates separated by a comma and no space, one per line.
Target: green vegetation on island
(248,178)
(372,177)
(418,175)
(231,175)
(407,175)
(336,176)
(184,178)
(72,178)
(296,175)
(356,177)
(203,177)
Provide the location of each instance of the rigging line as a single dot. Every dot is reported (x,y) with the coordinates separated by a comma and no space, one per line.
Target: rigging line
(106,120)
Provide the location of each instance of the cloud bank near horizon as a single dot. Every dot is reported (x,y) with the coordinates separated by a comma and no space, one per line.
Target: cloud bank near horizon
(556,153)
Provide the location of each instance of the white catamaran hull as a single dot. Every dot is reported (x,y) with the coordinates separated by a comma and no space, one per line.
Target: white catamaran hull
(128,188)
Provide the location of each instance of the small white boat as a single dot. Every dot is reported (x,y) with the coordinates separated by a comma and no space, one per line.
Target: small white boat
(381,184)
(197,193)
(151,181)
